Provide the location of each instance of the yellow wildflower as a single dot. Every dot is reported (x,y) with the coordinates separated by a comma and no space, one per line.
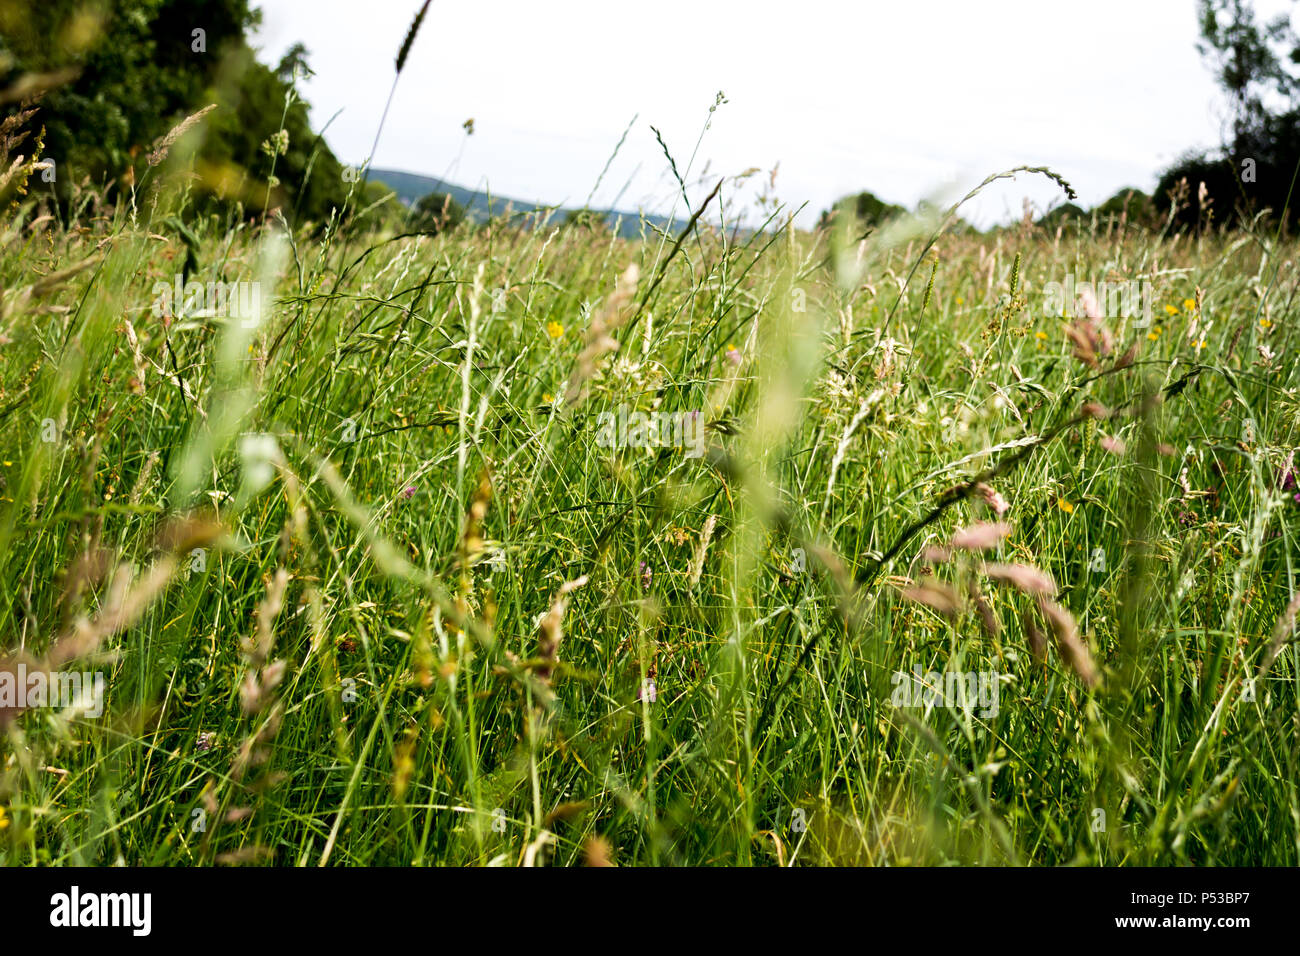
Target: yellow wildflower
(1065,506)
(554,329)
(1189,305)
(1171,309)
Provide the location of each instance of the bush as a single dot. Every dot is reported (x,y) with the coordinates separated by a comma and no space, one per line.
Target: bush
(435,213)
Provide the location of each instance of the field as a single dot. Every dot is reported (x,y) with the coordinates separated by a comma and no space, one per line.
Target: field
(377,572)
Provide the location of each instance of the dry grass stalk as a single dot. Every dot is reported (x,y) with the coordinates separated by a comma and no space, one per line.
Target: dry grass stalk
(706,535)
(1068,642)
(980,536)
(163,146)
(256,688)
(1035,636)
(599,342)
(127,601)
(988,620)
(1281,631)
(1023,577)
(598,852)
(935,595)
(552,631)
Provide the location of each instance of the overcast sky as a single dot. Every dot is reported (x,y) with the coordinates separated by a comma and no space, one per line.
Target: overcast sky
(908,99)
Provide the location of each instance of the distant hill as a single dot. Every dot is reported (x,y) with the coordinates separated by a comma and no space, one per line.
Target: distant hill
(480,206)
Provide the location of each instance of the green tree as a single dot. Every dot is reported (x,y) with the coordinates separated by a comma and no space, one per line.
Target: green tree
(1254,63)
(1066,213)
(434,213)
(134,69)
(866,208)
(264,131)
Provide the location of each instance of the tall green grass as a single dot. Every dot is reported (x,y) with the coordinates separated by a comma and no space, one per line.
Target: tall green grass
(313,549)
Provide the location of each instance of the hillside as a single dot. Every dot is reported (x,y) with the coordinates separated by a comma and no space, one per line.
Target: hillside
(480,204)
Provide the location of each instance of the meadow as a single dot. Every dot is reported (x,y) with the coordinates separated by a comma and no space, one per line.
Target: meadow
(372,582)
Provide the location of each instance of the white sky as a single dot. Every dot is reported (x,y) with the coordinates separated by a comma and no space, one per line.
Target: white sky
(907,99)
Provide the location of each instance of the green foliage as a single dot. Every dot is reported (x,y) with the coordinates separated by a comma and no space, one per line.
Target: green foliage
(1130,205)
(1065,213)
(434,213)
(590,219)
(867,209)
(378,209)
(243,135)
(1258,173)
(139,69)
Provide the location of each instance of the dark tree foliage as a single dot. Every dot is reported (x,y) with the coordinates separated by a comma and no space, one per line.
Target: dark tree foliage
(139,68)
(1127,206)
(434,213)
(866,208)
(1255,169)
(1064,214)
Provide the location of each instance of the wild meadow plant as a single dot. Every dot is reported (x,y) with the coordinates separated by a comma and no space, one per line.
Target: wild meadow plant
(375,578)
